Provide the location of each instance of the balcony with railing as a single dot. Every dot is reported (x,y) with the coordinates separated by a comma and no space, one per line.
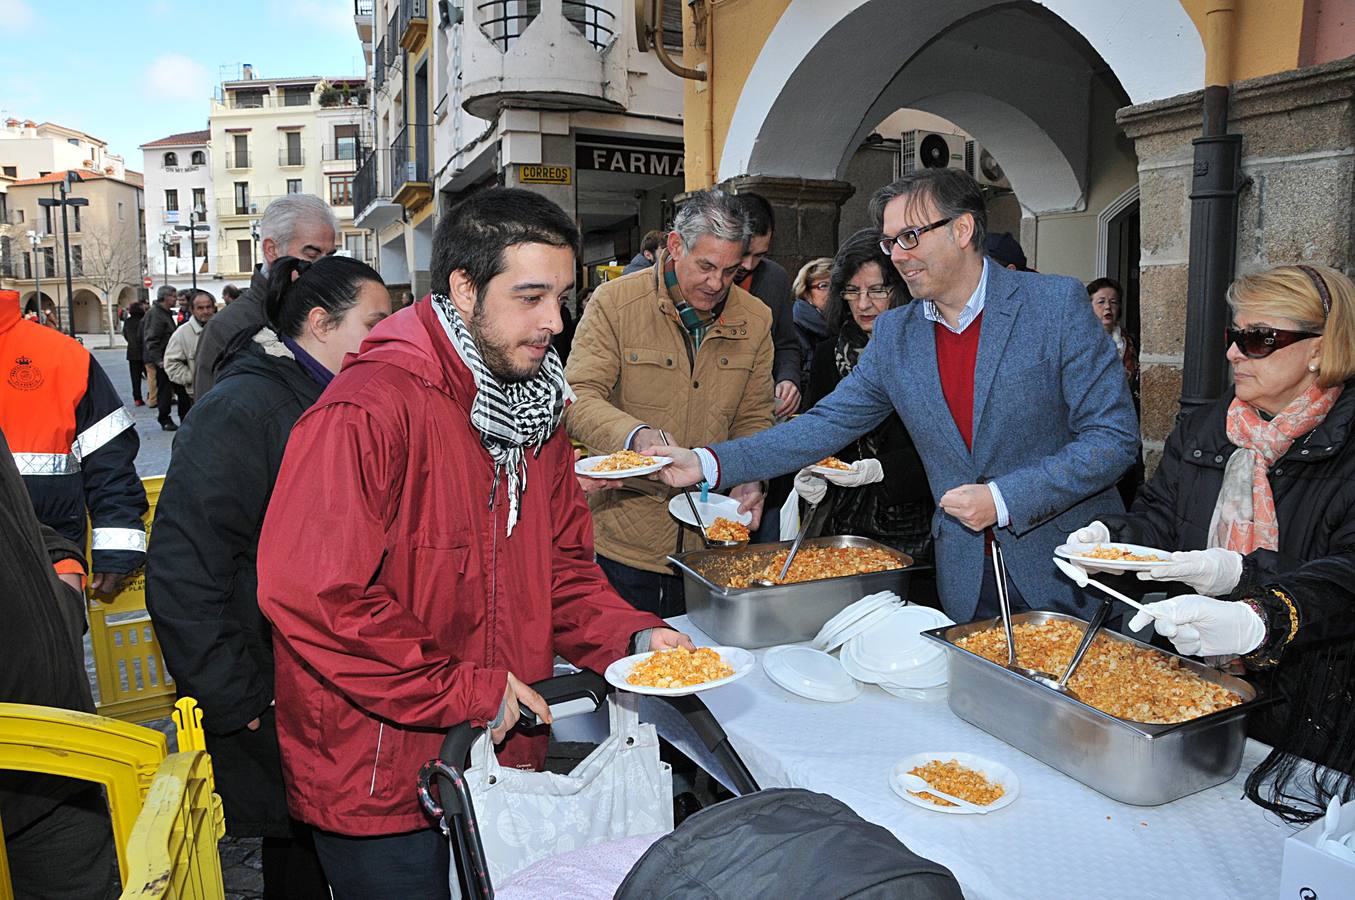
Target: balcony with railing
(291,156)
(379,65)
(543,50)
(410,183)
(363,8)
(372,204)
(413,23)
(239,160)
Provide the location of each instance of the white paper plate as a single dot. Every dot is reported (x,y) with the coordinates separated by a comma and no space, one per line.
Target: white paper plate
(739,659)
(809,673)
(1077,553)
(713,507)
(851,613)
(855,627)
(993,771)
(923,695)
(895,644)
(827,470)
(932,675)
(585,467)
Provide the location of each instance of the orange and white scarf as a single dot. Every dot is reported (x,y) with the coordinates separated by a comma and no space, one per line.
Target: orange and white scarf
(1244,515)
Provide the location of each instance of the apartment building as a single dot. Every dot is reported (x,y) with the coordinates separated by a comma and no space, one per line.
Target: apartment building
(107,247)
(274,136)
(558,97)
(179,201)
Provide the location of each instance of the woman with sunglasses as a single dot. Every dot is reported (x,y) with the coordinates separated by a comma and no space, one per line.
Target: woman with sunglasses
(885,495)
(1256,495)
(811,302)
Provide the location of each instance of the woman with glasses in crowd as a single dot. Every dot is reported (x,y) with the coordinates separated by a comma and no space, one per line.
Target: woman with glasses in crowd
(201,583)
(1255,493)
(811,302)
(884,495)
(1107,299)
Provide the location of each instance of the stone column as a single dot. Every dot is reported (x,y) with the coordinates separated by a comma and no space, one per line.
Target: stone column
(1298,129)
(806,210)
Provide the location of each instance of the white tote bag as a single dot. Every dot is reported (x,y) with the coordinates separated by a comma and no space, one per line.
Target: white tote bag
(621,790)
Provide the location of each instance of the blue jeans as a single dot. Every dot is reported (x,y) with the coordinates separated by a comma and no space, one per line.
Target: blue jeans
(654,592)
(386,867)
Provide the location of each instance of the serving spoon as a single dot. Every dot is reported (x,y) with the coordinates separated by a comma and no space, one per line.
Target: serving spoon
(1004,603)
(916,784)
(1061,684)
(794,549)
(706,539)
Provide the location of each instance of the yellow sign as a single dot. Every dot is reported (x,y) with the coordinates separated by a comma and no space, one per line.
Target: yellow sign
(545,174)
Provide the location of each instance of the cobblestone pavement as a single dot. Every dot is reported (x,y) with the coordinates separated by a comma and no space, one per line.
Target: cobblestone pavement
(241,863)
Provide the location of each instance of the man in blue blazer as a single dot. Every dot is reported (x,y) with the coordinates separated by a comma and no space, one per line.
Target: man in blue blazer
(1014,397)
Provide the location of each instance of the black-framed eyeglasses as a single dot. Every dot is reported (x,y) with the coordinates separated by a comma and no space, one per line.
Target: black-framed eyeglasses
(908,238)
(880,292)
(1258,343)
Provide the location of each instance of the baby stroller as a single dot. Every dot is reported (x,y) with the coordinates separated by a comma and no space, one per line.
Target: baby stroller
(608,824)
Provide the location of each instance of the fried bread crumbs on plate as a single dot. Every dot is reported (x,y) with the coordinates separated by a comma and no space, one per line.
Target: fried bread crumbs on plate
(958,781)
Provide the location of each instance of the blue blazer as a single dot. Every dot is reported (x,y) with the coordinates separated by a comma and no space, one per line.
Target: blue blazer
(1054,427)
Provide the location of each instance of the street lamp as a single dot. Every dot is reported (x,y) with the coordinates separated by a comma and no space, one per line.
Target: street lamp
(254,233)
(64,185)
(167,240)
(197,213)
(35,241)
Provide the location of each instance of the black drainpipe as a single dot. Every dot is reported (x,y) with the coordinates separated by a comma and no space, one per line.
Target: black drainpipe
(1215,185)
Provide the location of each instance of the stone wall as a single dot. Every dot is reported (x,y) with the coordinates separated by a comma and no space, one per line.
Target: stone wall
(1298,156)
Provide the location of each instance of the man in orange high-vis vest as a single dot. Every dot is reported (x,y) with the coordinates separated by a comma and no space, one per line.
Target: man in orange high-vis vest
(73,442)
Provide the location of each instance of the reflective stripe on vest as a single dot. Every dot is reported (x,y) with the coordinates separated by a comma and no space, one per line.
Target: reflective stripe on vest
(119,539)
(101,432)
(47,463)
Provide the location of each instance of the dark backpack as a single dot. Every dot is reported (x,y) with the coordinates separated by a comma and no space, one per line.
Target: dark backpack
(784,843)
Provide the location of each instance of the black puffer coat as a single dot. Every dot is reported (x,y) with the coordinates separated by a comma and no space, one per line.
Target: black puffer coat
(201,584)
(1314,489)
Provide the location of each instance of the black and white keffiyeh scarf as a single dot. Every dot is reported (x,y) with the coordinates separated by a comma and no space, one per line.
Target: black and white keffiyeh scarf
(509,417)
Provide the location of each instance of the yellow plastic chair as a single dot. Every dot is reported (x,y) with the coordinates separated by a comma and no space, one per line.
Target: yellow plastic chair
(134,684)
(172,853)
(121,757)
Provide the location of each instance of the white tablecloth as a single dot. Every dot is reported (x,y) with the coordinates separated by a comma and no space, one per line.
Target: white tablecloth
(1059,839)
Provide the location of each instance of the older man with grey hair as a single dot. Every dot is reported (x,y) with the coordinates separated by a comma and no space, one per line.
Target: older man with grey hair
(672,353)
(300,225)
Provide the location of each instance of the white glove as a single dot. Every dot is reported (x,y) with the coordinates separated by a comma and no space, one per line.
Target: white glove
(1203,626)
(811,487)
(862,472)
(1091,533)
(1212,572)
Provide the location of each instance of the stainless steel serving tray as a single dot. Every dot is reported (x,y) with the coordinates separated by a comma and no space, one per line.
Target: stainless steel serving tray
(782,614)
(1133,762)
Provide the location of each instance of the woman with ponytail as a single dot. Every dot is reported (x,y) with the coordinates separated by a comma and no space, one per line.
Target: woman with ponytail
(1255,496)
(200,573)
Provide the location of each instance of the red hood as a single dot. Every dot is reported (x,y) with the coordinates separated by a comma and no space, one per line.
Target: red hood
(414,340)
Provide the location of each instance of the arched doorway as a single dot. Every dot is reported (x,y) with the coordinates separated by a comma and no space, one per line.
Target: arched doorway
(89,316)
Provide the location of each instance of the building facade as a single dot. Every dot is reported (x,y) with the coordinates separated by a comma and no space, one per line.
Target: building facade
(1100,116)
(275,136)
(558,98)
(179,200)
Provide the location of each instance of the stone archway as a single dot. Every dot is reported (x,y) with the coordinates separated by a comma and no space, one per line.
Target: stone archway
(89,314)
(825,65)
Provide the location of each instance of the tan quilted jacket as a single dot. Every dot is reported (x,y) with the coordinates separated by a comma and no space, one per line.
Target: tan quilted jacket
(631,365)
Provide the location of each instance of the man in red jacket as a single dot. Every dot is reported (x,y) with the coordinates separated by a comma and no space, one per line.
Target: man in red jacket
(428,551)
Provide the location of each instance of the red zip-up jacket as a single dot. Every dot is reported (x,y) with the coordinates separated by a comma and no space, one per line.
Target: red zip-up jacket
(398,604)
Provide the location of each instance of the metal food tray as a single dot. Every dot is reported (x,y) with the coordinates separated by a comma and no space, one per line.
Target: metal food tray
(1133,762)
(782,614)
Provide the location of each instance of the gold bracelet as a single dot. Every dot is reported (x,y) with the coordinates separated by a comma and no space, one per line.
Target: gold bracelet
(1293,614)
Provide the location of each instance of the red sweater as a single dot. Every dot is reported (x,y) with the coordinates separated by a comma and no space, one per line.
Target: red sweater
(955,358)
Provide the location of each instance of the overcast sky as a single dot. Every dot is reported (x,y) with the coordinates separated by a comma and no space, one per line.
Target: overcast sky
(134,71)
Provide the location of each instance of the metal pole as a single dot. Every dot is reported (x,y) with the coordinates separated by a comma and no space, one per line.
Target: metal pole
(37,276)
(193,247)
(70,287)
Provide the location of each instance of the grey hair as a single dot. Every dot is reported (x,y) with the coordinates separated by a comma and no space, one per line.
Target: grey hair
(713,212)
(952,191)
(280,219)
(166,290)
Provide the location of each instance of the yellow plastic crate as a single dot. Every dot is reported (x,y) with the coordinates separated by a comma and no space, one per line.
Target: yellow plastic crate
(134,684)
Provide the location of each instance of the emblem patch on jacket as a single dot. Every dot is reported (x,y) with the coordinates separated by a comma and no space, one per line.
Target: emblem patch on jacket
(25,376)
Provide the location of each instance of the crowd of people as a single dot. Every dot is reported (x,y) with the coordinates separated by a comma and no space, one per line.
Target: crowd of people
(371,529)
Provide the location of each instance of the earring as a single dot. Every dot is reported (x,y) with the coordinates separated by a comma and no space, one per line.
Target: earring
(1312,367)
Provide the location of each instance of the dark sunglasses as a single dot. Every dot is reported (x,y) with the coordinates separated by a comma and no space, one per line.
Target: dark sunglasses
(1258,343)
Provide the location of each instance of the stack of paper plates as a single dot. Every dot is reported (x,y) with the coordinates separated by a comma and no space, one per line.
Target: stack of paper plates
(856,618)
(893,654)
(809,673)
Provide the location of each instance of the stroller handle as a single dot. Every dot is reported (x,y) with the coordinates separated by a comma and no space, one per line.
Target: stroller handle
(560,689)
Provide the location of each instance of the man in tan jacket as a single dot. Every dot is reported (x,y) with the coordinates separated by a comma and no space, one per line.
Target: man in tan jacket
(676,348)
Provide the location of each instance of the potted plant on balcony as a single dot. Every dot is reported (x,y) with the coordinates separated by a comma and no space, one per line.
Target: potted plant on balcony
(329,95)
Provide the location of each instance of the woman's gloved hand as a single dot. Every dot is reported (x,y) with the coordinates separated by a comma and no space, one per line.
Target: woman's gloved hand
(1214,572)
(1203,626)
(1091,533)
(862,472)
(810,486)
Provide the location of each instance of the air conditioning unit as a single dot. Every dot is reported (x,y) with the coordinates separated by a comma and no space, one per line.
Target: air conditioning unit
(984,167)
(931,150)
